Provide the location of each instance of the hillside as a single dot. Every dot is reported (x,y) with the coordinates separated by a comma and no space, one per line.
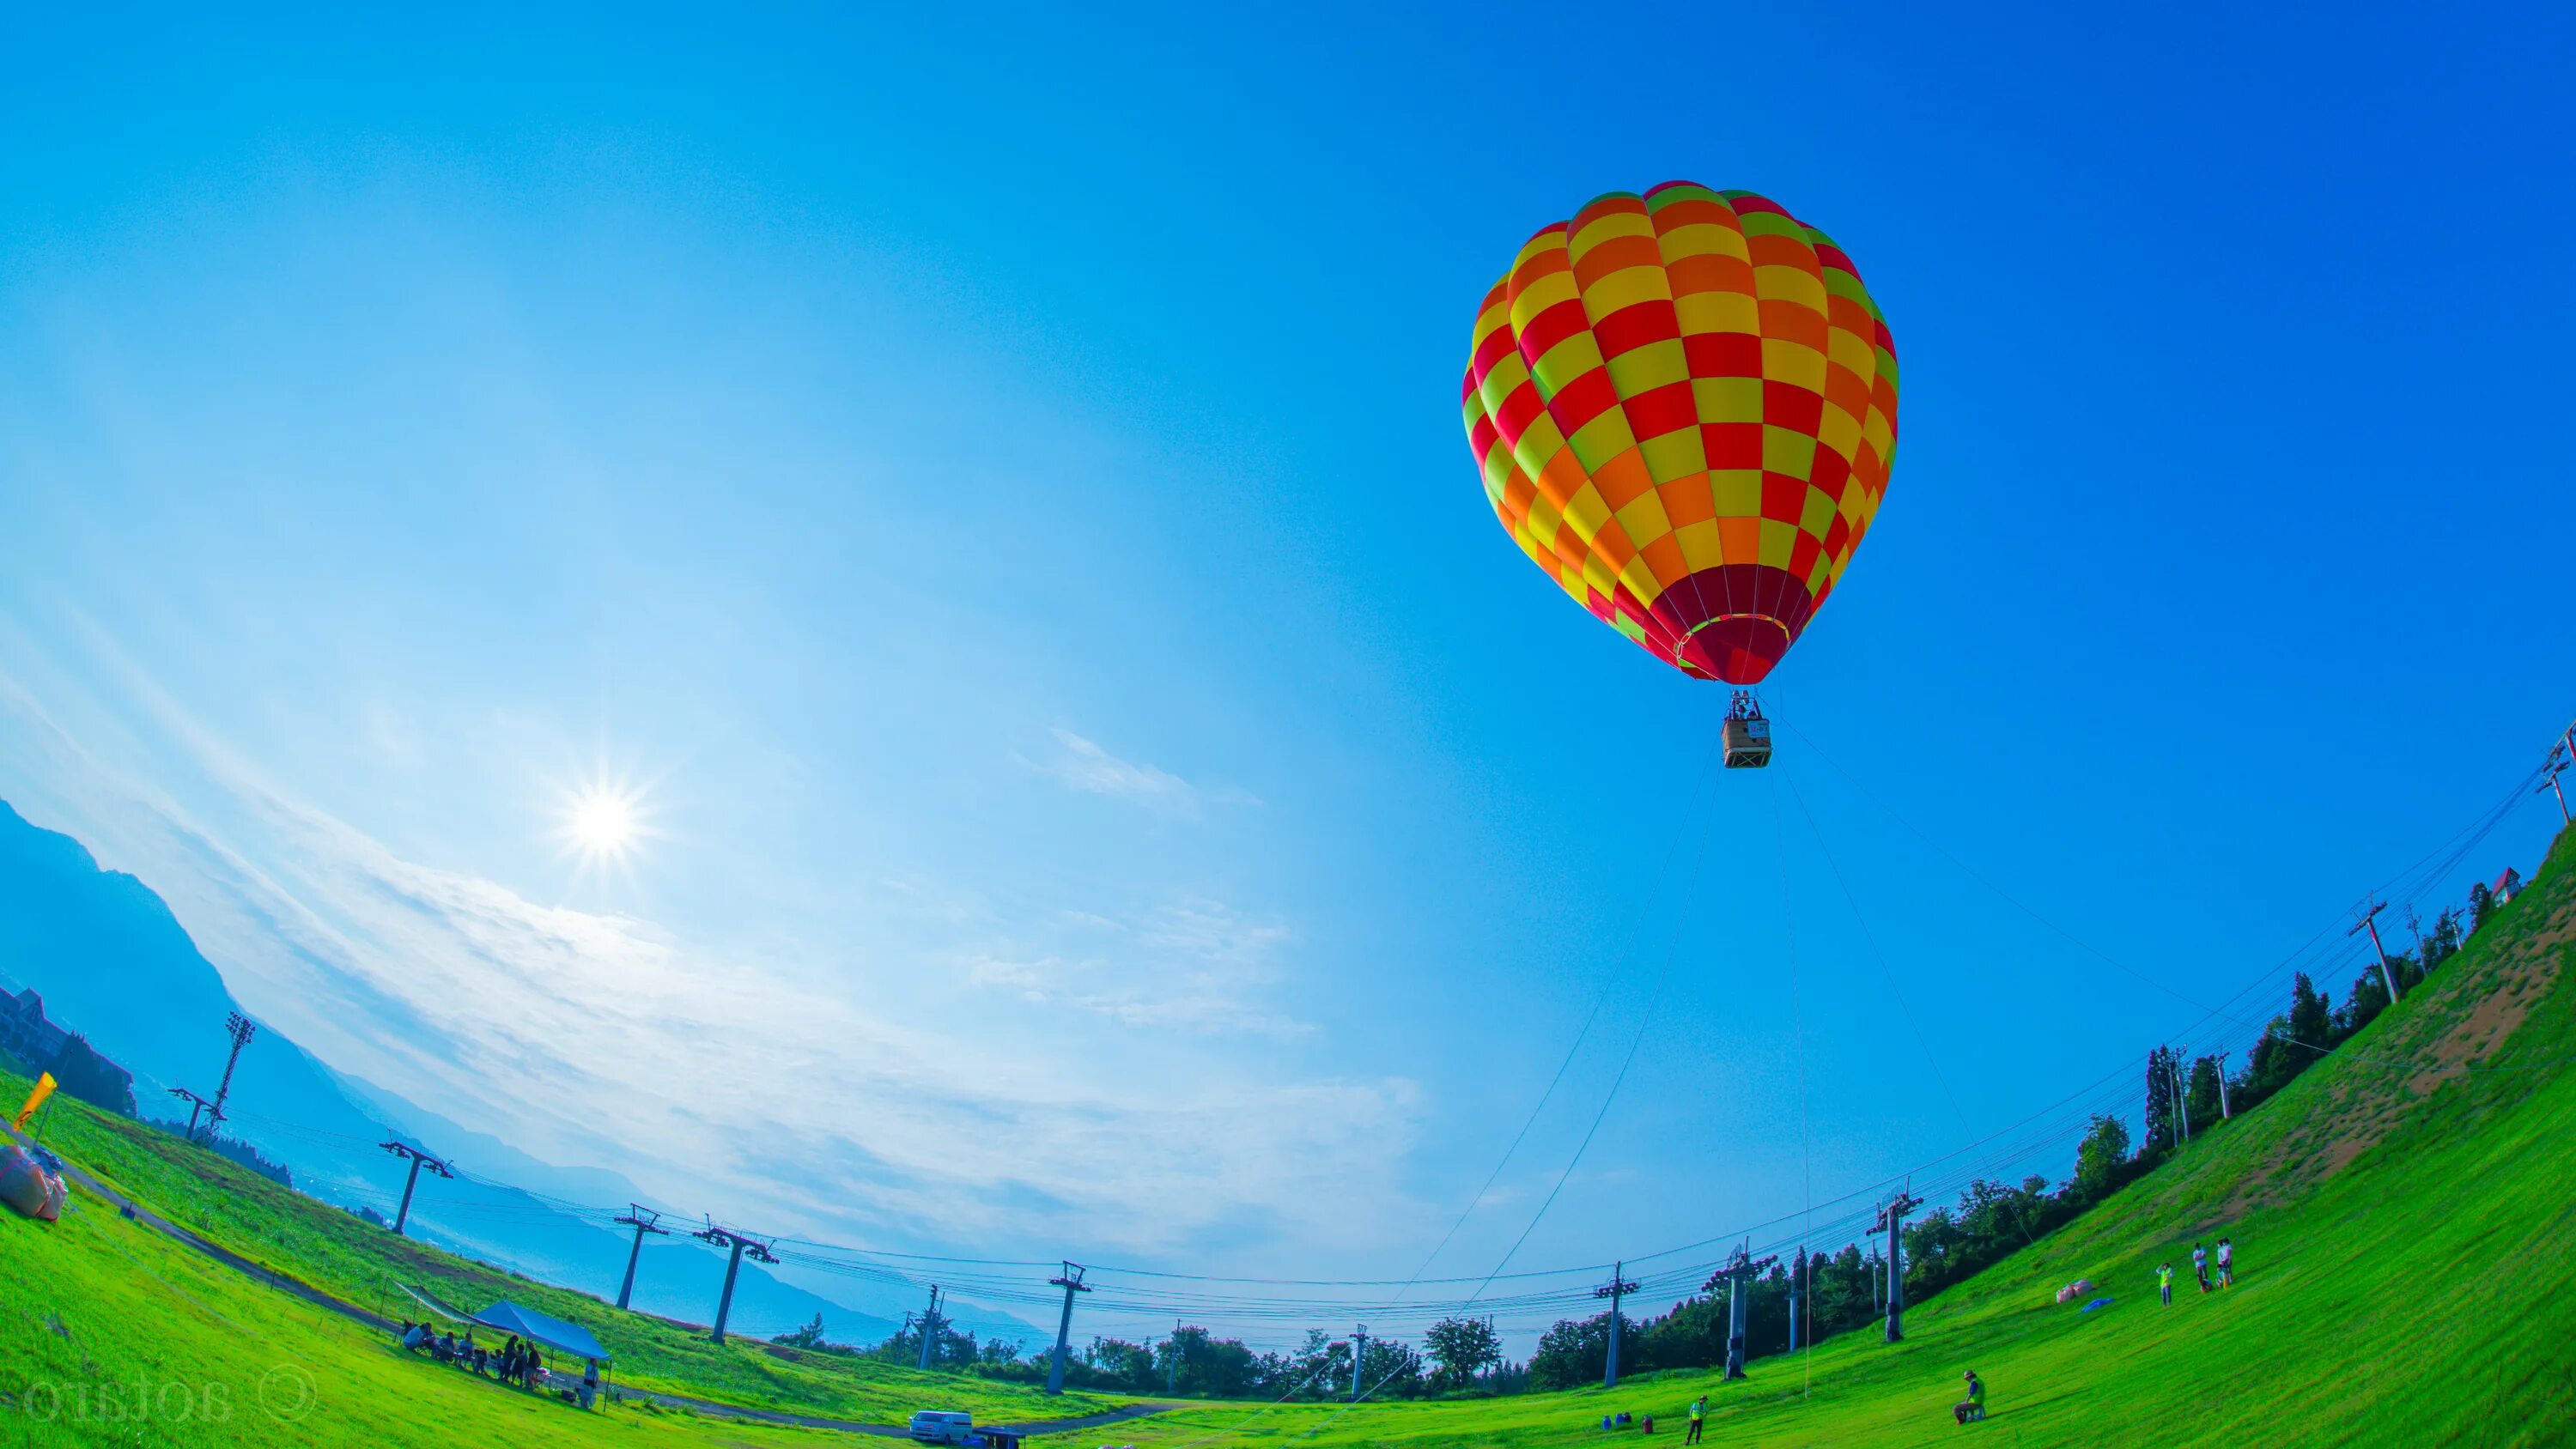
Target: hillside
(329,1250)
(2401,1223)
(113,962)
(2400,1212)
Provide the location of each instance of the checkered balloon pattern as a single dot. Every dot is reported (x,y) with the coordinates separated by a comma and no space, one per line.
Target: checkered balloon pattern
(1684,404)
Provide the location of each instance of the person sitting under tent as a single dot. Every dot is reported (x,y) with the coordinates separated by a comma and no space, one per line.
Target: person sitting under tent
(413,1335)
(1973,1407)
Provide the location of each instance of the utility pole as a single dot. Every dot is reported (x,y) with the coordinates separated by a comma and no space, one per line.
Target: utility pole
(643,1220)
(419,1160)
(2557,767)
(1617,1288)
(241,1029)
(741,1244)
(196,1105)
(930,1329)
(1070,1280)
(1891,1216)
(2223,1112)
(1359,1356)
(2182,1112)
(2370,922)
(1797,1294)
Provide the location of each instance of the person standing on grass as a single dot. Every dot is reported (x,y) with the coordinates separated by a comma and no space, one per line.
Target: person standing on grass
(1698,1419)
(2200,1265)
(2164,1282)
(2226,1263)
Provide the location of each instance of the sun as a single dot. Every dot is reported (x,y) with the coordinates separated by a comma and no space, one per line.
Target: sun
(602,822)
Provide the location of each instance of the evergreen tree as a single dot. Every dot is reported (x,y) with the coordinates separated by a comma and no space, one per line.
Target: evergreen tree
(2201,1100)
(2163,1080)
(81,1072)
(2311,1019)
(2482,907)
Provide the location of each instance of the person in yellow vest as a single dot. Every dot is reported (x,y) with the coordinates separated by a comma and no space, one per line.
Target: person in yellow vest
(1973,1407)
(1698,1419)
(2164,1282)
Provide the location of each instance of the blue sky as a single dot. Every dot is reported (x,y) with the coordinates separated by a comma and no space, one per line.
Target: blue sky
(997,489)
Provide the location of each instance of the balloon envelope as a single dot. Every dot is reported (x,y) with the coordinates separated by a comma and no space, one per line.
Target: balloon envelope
(1684,404)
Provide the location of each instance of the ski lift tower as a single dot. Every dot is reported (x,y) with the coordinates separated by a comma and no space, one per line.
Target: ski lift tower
(1891,1218)
(643,1220)
(741,1244)
(419,1159)
(1617,1288)
(196,1107)
(1070,1280)
(1738,1275)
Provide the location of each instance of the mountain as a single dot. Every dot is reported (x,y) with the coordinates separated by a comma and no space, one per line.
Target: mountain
(112,962)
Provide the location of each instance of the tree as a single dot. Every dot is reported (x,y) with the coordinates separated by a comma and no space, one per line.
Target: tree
(1573,1352)
(2202,1100)
(79,1070)
(2164,1084)
(2482,907)
(2102,1154)
(1463,1348)
(2311,1019)
(809,1336)
(2444,943)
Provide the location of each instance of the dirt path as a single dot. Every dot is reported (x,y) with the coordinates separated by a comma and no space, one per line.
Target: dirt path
(315,1296)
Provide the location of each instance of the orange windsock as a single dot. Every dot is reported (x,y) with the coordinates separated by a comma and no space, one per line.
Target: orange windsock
(35,1099)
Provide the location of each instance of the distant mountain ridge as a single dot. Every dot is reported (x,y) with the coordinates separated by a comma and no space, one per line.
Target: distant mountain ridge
(113,963)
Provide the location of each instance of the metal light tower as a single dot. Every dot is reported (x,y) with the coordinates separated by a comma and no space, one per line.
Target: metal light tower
(1359,1356)
(1617,1288)
(196,1105)
(2370,922)
(419,1160)
(1738,1275)
(1070,1280)
(740,1243)
(643,1220)
(1891,1216)
(241,1029)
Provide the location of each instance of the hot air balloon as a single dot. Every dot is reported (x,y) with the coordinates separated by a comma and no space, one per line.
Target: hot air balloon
(1684,404)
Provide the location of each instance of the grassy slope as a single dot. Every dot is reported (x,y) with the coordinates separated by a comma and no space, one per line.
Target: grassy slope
(331,1250)
(2401,1232)
(2403,1241)
(112,1334)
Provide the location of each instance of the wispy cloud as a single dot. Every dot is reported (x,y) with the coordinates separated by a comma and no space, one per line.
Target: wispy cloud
(767,1088)
(1189,965)
(1080,763)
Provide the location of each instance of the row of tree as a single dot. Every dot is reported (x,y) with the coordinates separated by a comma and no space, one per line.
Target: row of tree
(1841,1291)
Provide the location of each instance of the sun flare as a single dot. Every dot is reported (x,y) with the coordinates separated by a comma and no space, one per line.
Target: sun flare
(602,823)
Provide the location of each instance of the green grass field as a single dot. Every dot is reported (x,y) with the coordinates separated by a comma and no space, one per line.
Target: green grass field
(2403,1229)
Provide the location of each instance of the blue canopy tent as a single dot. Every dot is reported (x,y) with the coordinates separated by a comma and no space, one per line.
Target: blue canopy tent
(543,1329)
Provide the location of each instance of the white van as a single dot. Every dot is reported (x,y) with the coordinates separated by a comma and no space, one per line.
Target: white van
(943,1426)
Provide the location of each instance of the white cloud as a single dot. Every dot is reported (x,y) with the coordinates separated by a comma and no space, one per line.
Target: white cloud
(1083,765)
(778,1092)
(1189,965)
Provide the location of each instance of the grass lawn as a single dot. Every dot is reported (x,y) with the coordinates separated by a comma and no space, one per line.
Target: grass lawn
(361,1264)
(2403,1231)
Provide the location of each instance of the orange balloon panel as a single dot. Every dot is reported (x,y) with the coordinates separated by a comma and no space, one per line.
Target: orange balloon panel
(1685,407)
